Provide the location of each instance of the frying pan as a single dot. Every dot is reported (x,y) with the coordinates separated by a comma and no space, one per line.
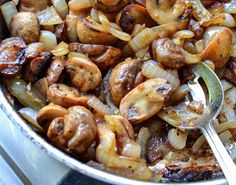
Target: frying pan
(10,110)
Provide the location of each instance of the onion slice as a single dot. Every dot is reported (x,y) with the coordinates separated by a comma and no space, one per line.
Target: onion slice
(61,7)
(98,106)
(61,49)
(151,69)
(114,31)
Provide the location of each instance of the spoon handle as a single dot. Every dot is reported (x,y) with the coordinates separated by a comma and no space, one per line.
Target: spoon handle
(226,163)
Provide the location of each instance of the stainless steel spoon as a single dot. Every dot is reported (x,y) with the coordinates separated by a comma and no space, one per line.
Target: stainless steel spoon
(213,107)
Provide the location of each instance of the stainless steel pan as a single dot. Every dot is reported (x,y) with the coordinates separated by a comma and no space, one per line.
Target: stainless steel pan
(40,142)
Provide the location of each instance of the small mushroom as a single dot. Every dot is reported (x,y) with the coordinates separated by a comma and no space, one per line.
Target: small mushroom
(91,32)
(109,5)
(55,70)
(145,100)
(168,53)
(50,112)
(83,73)
(65,96)
(122,79)
(102,55)
(25,25)
(164,12)
(134,14)
(32,5)
(75,132)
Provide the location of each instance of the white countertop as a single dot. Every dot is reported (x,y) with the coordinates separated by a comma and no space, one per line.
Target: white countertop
(21,162)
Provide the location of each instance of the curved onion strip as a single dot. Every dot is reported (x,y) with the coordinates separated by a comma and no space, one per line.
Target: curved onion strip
(61,49)
(184,34)
(115,32)
(49,39)
(179,94)
(143,136)
(137,29)
(98,106)
(41,88)
(145,37)
(228,21)
(79,55)
(49,16)
(191,58)
(8,10)
(177,138)
(219,128)
(152,70)
(94,14)
(71,23)
(61,7)
(30,115)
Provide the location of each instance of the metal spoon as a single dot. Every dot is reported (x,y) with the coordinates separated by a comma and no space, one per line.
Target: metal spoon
(213,107)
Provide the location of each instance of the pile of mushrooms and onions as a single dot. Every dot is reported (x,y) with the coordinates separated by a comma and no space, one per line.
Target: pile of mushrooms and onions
(106,81)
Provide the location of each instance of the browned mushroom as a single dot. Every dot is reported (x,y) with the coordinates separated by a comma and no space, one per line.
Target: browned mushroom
(109,5)
(173,11)
(145,100)
(26,25)
(50,112)
(230,72)
(33,50)
(171,55)
(134,14)
(61,31)
(91,32)
(122,79)
(83,73)
(75,132)
(55,70)
(32,5)
(35,68)
(103,56)
(65,96)
(12,56)
(168,53)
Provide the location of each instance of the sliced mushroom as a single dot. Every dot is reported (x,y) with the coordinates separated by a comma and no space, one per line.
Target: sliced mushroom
(83,73)
(168,53)
(50,112)
(12,56)
(25,25)
(102,55)
(80,128)
(171,55)
(91,32)
(33,50)
(219,48)
(230,72)
(134,14)
(109,5)
(32,5)
(55,133)
(55,70)
(123,78)
(145,100)
(65,96)
(35,69)
(174,11)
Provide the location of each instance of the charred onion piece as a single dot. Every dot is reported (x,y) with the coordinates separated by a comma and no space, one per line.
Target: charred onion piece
(122,79)
(131,15)
(102,55)
(25,25)
(83,73)
(145,100)
(91,32)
